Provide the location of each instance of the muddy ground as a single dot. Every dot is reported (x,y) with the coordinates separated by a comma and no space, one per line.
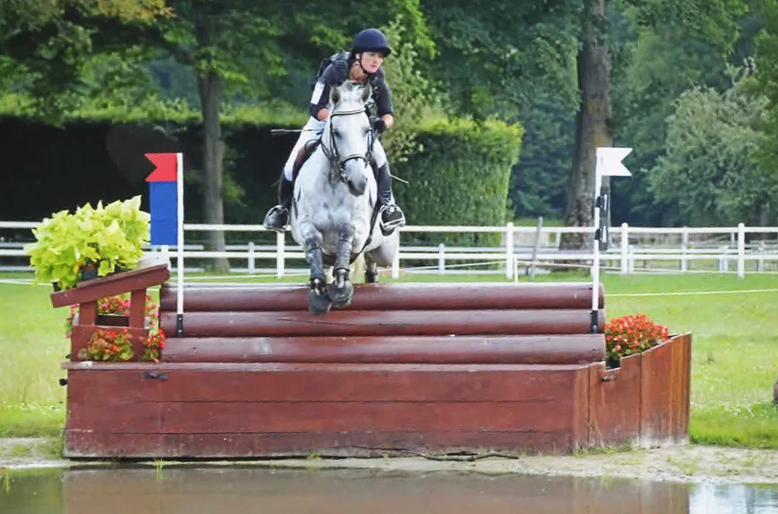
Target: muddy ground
(689,463)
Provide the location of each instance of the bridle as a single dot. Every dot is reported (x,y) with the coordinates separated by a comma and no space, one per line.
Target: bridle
(336,161)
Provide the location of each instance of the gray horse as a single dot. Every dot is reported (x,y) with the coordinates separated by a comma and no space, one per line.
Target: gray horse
(334,207)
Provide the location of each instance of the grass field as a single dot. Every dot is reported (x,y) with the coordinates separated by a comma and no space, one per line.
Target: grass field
(734,366)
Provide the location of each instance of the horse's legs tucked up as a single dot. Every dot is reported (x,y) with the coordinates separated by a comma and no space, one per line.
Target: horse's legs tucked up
(341,289)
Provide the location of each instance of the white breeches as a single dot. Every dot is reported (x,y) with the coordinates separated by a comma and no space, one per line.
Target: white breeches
(313,130)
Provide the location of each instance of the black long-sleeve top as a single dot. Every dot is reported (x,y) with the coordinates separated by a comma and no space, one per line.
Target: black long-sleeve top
(337,73)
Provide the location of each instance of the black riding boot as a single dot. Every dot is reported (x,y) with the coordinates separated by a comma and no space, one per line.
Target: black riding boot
(278,217)
(392,216)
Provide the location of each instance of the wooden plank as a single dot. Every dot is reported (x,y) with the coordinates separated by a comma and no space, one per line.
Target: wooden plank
(381,323)
(313,417)
(225,297)
(80,443)
(126,281)
(579,414)
(664,393)
(614,403)
(211,382)
(547,349)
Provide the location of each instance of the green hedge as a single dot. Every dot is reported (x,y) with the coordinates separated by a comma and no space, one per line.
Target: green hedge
(460,176)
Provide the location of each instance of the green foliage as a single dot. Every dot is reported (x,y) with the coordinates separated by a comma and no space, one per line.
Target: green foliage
(495,55)
(108,238)
(539,179)
(413,93)
(767,85)
(708,169)
(461,176)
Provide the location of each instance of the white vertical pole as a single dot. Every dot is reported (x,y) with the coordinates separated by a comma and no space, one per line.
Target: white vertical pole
(252,260)
(741,250)
(180,246)
(624,248)
(280,254)
(631,259)
(509,250)
(684,248)
(441,259)
(396,261)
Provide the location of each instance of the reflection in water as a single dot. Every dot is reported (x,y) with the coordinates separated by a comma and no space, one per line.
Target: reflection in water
(236,490)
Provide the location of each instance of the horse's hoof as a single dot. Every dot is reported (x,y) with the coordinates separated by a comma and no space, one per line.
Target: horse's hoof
(341,296)
(371,278)
(318,302)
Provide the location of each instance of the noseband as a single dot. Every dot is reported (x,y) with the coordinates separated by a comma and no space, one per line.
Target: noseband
(336,161)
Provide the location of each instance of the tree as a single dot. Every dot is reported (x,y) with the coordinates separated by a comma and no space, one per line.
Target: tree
(228,43)
(710,21)
(708,169)
(44,44)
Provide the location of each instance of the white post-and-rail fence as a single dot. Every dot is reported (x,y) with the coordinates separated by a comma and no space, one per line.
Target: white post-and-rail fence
(524,246)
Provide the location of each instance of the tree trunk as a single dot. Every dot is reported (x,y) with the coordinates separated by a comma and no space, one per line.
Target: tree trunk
(591,122)
(210,86)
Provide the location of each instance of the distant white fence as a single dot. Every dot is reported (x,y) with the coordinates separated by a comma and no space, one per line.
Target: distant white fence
(744,249)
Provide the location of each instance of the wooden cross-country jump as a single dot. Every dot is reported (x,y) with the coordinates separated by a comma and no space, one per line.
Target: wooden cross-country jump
(407,368)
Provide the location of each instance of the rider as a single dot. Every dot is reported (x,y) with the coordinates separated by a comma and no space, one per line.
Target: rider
(363,65)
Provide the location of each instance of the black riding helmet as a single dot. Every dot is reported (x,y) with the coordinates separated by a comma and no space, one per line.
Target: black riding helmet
(371,40)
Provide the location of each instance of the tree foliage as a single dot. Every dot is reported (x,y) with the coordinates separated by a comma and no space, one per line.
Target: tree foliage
(708,170)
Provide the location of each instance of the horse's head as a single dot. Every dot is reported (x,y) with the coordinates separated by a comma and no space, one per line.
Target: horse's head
(348,137)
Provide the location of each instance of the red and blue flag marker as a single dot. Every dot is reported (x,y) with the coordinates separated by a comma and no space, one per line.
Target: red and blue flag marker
(166,202)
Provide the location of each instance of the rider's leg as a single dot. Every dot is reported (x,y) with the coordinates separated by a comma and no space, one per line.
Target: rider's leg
(277,218)
(392,216)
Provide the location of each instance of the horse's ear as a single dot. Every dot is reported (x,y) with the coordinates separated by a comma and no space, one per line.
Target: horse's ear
(366,92)
(335,95)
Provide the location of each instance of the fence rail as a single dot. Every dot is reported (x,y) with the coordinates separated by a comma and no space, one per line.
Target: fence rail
(524,246)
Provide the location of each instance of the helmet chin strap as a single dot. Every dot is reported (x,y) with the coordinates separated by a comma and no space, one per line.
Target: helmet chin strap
(359,61)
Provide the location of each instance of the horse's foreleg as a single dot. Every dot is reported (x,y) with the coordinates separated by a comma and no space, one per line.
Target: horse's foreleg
(341,289)
(371,269)
(318,301)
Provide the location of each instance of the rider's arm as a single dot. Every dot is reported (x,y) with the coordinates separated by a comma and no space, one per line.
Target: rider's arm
(321,92)
(383,99)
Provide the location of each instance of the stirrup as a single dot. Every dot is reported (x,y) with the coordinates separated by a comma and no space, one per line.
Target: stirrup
(387,227)
(276,219)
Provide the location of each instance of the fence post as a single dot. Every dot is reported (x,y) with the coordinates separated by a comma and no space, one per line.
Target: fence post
(509,250)
(280,251)
(396,261)
(624,248)
(535,247)
(723,261)
(760,262)
(684,249)
(441,259)
(741,250)
(252,259)
(631,260)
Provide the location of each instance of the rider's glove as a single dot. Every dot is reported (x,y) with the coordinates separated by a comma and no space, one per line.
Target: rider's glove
(379,126)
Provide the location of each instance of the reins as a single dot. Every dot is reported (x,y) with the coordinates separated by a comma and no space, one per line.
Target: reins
(332,154)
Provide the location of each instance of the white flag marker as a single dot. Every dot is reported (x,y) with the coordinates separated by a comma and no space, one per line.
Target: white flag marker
(609,162)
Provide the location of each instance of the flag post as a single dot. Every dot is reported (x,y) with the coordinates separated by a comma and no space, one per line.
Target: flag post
(180,247)
(166,199)
(608,163)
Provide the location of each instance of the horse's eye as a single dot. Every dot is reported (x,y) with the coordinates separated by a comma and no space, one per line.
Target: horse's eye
(336,132)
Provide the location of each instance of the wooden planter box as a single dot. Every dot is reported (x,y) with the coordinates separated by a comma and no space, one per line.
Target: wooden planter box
(249,381)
